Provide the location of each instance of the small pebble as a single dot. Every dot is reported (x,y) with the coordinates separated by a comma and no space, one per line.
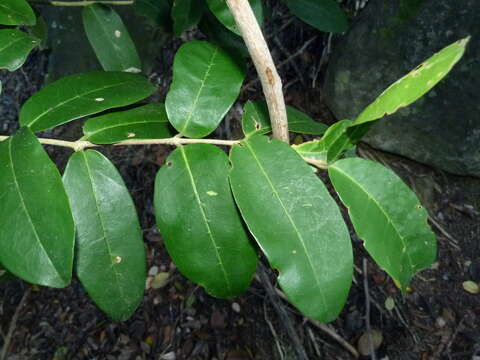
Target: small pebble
(236,307)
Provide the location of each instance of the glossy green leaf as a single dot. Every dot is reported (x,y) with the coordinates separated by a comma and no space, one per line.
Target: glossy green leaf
(16,12)
(199,222)
(256,120)
(186,14)
(144,122)
(15,45)
(110,39)
(220,9)
(386,215)
(324,15)
(206,83)
(76,96)
(296,223)
(37,236)
(110,255)
(415,84)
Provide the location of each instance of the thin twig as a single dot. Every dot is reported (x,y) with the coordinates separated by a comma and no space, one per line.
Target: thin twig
(373,356)
(282,313)
(80,145)
(13,324)
(84,3)
(327,329)
(262,59)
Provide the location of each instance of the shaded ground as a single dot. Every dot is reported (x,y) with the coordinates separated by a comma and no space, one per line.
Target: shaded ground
(436,320)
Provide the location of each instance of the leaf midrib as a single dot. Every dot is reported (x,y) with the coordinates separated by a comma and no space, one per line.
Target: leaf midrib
(202,85)
(27,213)
(78,96)
(297,231)
(104,237)
(95,132)
(204,216)
(382,210)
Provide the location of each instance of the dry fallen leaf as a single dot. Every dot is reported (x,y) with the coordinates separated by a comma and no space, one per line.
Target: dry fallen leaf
(363,345)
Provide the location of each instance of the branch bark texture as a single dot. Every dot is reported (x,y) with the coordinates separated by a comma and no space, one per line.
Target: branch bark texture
(262,59)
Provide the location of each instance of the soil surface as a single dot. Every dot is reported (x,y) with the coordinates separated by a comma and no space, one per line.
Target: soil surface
(437,319)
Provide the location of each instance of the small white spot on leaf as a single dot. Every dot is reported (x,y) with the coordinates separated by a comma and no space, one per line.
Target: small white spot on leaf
(99,99)
(133,70)
(117,260)
(118,33)
(211,193)
(131,135)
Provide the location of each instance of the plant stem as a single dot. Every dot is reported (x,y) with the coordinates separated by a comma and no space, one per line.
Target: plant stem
(262,59)
(84,3)
(80,145)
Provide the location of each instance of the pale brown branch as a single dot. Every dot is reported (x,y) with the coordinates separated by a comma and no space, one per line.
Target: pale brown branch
(80,145)
(84,3)
(262,59)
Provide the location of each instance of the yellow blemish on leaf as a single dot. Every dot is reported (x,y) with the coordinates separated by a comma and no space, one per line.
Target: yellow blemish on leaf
(131,135)
(117,260)
(211,193)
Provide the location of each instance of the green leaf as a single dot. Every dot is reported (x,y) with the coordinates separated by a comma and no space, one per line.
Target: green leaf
(186,14)
(256,120)
(296,223)
(415,84)
(110,260)
(324,15)
(40,31)
(220,9)
(387,215)
(76,96)
(110,39)
(143,122)
(156,10)
(219,35)
(15,45)
(37,237)
(16,12)
(199,222)
(206,83)
(299,122)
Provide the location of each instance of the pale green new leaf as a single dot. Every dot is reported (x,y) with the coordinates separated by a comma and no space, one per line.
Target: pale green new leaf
(37,231)
(186,14)
(199,222)
(325,15)
(206,83)
(110,39)
(143,122)
(296,223)
(415,84)
(256,120)
(110,255)
(220,9)
(15,45)
(387,216)
(16,12)
(76,96)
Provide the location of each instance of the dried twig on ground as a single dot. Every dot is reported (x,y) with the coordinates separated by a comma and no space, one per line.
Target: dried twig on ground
(13,324)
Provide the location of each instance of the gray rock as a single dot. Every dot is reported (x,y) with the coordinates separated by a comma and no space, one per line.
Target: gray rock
(390,38)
